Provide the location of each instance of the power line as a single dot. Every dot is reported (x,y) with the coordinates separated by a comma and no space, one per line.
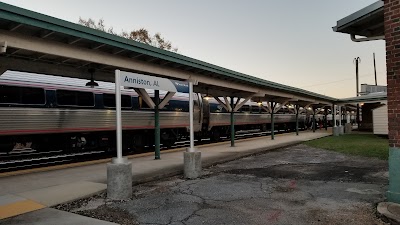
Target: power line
(331,82)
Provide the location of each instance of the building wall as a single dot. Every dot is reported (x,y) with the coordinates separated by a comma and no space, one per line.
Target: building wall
(380,120)
(366,120)
(392,37)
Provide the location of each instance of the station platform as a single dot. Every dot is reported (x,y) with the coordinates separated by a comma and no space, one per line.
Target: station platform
(37,190)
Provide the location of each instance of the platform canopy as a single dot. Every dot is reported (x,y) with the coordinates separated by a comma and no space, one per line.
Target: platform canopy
(367,22)
(42,44)
(373,97)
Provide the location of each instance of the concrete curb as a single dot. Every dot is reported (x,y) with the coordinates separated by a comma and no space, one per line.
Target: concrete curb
(387,211)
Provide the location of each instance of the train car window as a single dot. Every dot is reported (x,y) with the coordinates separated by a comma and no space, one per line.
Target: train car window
(109,101)
(142,103)
(9,94)
(75,98)
(256,109)
(34,96)
(22,95)
(179,106)
(245,108)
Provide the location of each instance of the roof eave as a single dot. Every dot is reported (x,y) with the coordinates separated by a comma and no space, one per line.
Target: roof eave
(365,22)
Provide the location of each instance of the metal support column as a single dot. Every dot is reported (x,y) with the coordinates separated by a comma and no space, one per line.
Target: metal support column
(335,129)
(326,118)
(157,124)
(297,118)
(313,117)
(357,61)
(232,123)
(334,116)
(272,121)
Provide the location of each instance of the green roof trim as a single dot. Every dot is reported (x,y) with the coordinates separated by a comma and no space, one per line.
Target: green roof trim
(378,96)
(24,16)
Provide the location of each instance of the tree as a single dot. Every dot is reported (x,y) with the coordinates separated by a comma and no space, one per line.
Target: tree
(141,35)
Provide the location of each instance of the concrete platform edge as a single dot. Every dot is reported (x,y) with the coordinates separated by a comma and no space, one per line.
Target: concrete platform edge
(386,215)
(178,170)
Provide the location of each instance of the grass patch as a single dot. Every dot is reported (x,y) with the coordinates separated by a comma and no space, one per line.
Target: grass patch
(368,145)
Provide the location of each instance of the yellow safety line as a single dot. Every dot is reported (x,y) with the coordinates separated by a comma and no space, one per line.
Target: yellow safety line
(17,208)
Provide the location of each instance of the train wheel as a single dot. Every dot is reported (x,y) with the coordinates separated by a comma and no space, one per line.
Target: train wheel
(215,135)
(7,147)
(139,142)
(168,139)
(263,128)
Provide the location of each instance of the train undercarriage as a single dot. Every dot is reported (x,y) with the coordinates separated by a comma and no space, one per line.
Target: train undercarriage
(133,140)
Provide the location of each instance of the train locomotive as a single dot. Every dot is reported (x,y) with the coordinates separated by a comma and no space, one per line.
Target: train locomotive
(45,112)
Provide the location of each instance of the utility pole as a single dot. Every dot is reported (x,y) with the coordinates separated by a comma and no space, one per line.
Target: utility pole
(376,82)
(356,61)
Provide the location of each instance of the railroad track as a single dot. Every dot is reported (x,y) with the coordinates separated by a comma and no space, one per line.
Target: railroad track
(47,159)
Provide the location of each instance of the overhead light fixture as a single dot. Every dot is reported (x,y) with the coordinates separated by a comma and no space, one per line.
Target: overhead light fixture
(207,97)
(91,83)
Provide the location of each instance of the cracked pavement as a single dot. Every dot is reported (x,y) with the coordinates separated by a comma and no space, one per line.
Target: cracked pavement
(295,185)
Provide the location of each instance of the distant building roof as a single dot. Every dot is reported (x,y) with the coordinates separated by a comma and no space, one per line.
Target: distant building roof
(373,97)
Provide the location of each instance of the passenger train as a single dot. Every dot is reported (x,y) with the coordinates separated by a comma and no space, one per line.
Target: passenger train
(46,112)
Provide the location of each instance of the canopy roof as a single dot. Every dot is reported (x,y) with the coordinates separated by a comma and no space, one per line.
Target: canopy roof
(43,44)
(367,22)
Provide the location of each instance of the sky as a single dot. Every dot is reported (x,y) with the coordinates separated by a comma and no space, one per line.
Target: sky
(287,41)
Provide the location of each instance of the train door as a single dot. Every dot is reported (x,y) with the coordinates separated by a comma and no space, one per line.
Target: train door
(205,114)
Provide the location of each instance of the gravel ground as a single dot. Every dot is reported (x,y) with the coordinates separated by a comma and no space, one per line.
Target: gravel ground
(294,185)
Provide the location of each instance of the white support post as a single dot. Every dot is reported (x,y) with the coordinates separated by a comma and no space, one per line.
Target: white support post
(118,115)
(119,171)
(191,149)
(191,158)
(348,115)
(341,128)
(334,115)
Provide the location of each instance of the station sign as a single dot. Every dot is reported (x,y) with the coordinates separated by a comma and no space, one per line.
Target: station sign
(136,80)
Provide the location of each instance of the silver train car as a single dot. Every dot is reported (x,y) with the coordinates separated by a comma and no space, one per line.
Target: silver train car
(46,112)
